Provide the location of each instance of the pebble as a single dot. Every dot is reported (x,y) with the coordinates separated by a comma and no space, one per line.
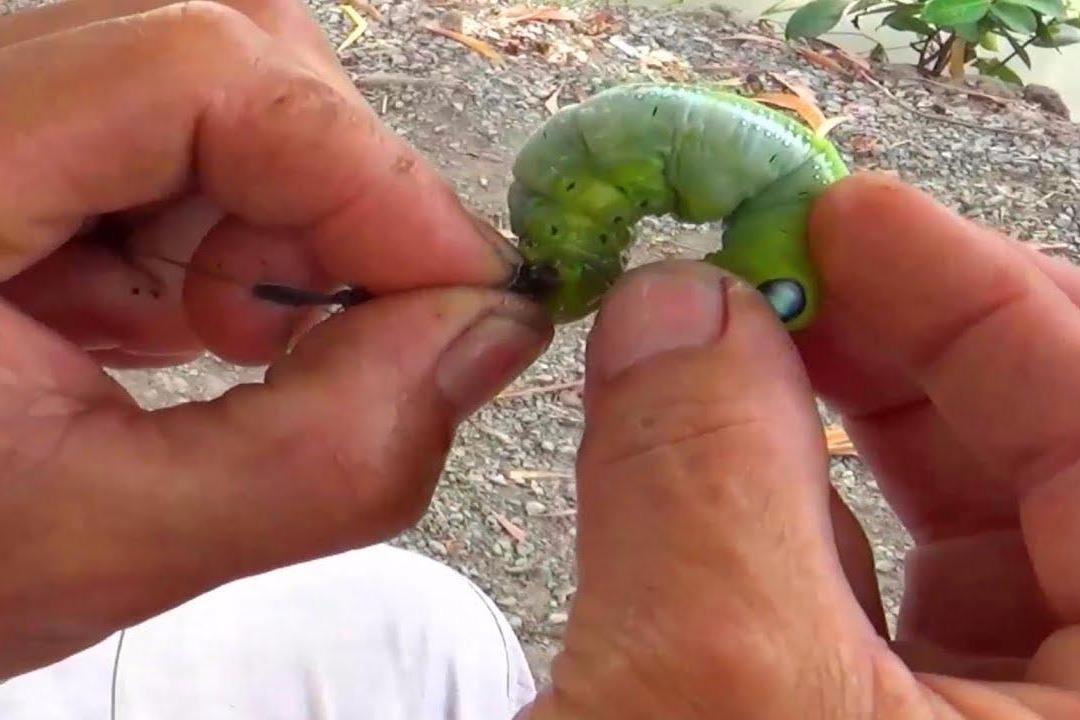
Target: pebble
(534,507)
(558,618)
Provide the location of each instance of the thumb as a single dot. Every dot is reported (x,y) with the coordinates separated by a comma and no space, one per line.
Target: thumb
(133,512)
(708,571)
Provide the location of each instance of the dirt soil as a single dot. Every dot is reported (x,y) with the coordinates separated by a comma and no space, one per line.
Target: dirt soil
(504,512)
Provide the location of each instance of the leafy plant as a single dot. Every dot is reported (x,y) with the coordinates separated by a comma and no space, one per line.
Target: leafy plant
(950,33)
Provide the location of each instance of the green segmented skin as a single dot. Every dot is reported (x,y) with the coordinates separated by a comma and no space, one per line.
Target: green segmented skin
(585,178)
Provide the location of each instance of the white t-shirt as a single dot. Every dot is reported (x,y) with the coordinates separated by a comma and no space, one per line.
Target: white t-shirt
(377,633)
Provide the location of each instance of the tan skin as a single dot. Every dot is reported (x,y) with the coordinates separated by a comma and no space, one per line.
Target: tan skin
(719,576)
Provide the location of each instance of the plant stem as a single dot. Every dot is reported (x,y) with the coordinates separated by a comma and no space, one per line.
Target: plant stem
(957,58)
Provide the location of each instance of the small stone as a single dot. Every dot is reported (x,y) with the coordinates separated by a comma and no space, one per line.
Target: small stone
(547,446)
(558,618)
(534,507)
(884,565)
(570,398)
(515,621)
(437,547)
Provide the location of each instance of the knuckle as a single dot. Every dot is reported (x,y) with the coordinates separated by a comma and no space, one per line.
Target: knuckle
(269,12)
(198,23)
(300,94)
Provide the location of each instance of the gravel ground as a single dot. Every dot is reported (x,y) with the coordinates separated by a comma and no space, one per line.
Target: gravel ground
(503,514)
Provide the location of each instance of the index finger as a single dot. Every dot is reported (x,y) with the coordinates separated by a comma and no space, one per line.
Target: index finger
(209,100)
(974,323)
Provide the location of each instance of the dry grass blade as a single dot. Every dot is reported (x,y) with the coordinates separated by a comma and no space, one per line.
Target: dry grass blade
(542,14)
(359,27)
(1041,246)
(520,476)
(474,44)
(750,37)
(537,389)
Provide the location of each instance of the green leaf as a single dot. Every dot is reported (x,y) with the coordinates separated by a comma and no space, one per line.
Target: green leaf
(988,41)
(1057,35)
(1053,9)
(948,13)
(1015,17)
(994,68)
(905,20)
(968,31)
(1019,50)
(815,18)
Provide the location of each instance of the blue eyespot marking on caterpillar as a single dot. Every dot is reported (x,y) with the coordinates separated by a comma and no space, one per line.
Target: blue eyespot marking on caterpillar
(786,296)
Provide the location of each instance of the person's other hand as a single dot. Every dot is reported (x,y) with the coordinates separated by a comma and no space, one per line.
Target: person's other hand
(720,576)
(229,137)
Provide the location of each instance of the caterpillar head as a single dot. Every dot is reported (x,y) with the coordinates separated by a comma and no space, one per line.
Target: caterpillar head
(570,260)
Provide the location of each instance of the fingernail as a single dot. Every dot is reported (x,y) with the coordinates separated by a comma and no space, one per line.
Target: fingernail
(491,352)
(657,309)
(502,247)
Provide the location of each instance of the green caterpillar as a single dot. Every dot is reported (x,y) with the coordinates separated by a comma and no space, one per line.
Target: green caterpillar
(593,170)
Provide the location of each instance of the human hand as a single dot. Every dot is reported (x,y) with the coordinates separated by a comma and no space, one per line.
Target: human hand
(229,137)
(719,574)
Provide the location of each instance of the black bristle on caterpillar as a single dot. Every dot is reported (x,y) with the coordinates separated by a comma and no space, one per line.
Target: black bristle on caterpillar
(534,280)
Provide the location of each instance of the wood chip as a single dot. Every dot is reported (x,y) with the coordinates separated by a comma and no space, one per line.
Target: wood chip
(511,529)
(838,441)
(551,102)
(624,46)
